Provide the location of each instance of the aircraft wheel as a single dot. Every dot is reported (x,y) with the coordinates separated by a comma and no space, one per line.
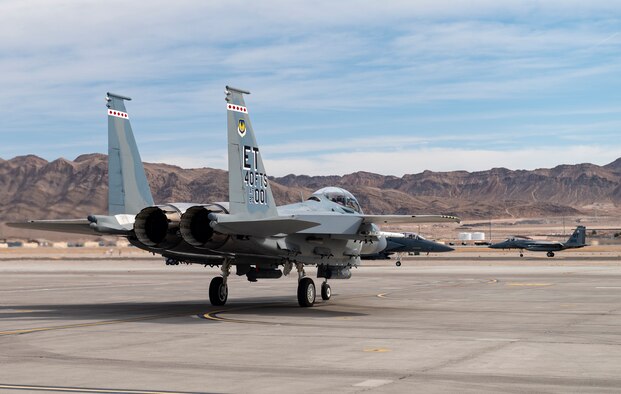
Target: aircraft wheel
(218,291)
(521,254)
(306,292)
(326,292)
(550,254)
(398,263)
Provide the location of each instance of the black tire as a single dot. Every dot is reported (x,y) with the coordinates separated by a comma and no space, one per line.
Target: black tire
(398,264)
(306,292)
(521,254)
(326,292)
(218,291)
(550,254)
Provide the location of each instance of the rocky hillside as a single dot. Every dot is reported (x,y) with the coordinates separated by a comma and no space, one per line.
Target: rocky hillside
(31,187)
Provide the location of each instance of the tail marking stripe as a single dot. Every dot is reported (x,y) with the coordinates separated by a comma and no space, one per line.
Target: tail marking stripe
(118,114)
(237,108)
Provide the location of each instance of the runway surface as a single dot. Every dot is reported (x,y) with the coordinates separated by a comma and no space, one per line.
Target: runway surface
(115,326)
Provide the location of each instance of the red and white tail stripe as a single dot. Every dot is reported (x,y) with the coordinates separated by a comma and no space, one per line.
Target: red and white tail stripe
(237,108)
(118,114)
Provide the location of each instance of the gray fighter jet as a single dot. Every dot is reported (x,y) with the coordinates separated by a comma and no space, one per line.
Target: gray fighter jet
(577,240)
(404,243)
(329,230)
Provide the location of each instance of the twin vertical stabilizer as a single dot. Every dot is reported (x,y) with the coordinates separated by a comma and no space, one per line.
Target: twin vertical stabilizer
(128,189)
(250,194)
(578,238)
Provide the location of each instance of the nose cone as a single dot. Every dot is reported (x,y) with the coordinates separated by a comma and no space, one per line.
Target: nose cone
(499,245)
(444,248)
(435,247)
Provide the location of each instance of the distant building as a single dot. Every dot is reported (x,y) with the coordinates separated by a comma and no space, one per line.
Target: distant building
(121,243)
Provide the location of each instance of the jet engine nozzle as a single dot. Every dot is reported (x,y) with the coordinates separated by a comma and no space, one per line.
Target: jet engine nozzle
(158,226)
(196,227)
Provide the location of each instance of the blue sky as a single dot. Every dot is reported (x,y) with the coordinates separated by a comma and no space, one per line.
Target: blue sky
(391,87)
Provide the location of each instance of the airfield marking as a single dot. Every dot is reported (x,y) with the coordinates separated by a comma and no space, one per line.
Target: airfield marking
(377,350)
(214,316)
(608,287)
(382,295)
(372,383)
(92,324)
(85,389)
(530,284)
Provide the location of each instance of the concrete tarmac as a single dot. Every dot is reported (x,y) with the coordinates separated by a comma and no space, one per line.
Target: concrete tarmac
(137,326)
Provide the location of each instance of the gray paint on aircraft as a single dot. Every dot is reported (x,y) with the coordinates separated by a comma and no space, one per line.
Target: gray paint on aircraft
(129,190)
(250,193)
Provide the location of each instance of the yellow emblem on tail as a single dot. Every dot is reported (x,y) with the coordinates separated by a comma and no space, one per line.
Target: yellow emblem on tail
(241,127)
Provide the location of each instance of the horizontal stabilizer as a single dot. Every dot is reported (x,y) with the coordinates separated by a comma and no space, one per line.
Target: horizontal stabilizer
(94,225)
(260,227)
(76,226)
(405,219)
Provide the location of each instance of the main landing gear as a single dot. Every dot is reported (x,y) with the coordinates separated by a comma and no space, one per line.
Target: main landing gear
(218,288)
(326,292)
(306,288)
(550,254)
(307,291)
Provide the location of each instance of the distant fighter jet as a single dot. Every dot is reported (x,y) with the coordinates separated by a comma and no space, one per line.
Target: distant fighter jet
(402,243)
(329,230)
(577,240)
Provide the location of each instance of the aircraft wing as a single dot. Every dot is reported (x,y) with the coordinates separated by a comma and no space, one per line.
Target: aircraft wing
(407,219)
(544,246)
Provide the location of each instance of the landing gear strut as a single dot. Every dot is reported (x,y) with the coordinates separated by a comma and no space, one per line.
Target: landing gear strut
(550,254)
(306,288)
(218,288)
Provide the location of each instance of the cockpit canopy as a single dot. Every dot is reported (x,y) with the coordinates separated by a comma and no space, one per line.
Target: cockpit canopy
(340,196)
(414,236)
(514,238)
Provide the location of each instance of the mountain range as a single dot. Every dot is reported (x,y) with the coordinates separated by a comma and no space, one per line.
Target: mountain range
(32,187)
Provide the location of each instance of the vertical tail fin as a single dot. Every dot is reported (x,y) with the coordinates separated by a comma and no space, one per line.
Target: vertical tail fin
(128,190)
(578,237)
(250,194)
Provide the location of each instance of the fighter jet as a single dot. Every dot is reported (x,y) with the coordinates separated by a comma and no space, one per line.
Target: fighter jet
(329,230)
(402,243)
(577,240)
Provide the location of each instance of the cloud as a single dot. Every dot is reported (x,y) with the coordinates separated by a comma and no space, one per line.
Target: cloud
(322,73)
(410,161)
